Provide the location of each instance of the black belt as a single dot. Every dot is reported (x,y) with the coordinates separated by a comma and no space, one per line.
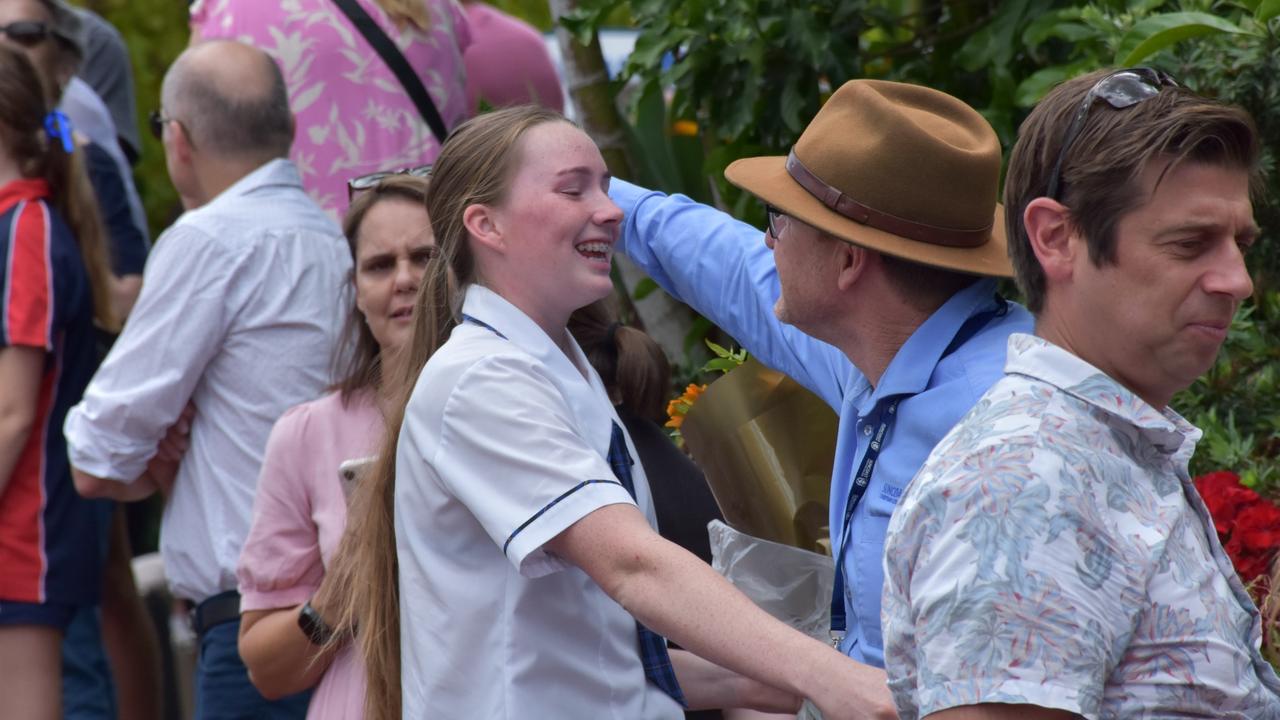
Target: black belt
(221,608)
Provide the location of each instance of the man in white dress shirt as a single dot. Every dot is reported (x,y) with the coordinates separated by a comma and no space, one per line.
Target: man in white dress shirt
(240,309)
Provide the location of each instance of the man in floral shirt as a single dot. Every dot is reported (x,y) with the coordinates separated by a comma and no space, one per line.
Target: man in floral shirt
(1052,558)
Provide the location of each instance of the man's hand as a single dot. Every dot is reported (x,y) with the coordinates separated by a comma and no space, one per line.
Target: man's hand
(158,476)
(163,468)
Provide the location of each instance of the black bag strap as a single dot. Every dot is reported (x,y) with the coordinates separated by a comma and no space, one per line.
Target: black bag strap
(396,62)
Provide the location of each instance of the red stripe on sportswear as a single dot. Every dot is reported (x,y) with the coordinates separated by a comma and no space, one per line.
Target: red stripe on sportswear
(22,506)
(28,302)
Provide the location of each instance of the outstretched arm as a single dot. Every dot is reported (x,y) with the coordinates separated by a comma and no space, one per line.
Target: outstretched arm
(721,267)
(676,594)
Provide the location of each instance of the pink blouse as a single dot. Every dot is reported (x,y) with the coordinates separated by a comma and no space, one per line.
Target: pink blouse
(353,115)
(299,514)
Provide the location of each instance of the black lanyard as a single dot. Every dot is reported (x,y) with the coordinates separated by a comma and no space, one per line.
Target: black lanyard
(860,482)
(856,491)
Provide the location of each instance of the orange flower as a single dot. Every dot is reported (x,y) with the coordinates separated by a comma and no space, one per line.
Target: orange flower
(679,407)
(686,128)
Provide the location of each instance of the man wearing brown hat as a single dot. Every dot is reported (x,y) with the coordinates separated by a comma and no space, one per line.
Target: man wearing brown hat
(865,289)
(1053,559)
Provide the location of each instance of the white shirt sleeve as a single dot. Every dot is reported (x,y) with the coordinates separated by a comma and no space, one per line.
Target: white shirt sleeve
(175,329)
(510,452)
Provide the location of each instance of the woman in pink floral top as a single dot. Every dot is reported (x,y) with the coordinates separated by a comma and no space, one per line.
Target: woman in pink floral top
(353,115)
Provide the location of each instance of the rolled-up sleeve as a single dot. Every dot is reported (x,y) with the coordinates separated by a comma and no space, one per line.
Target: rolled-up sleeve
(174,330)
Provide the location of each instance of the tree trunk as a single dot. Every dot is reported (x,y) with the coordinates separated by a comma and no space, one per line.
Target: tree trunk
(666,320)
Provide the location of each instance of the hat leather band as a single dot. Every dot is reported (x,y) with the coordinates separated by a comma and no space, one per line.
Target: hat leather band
(846,206)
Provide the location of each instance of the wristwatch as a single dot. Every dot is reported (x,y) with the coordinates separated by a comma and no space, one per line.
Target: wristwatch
(314,626)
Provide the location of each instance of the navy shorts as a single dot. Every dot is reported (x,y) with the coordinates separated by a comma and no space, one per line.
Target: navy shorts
(52,615)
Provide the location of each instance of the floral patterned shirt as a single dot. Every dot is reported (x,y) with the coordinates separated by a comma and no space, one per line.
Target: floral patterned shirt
(1053,552)
(353,115)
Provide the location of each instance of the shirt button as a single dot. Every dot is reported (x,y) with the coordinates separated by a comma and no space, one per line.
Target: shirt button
(866,430)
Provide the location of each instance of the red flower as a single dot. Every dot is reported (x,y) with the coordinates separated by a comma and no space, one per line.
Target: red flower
(1247,523)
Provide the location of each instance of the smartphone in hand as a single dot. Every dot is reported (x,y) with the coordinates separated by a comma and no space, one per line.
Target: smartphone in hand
(350,473)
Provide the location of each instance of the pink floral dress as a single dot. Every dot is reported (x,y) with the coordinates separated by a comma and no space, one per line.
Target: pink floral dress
(353,115)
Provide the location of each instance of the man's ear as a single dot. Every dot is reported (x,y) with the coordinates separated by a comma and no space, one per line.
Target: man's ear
(481,222)
(1053,237)
(851,262)
(180,142)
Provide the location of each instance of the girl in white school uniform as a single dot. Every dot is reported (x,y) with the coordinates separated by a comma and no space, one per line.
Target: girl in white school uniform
(524,533)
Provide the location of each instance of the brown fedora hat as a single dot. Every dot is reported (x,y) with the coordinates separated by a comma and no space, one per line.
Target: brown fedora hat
(900,169)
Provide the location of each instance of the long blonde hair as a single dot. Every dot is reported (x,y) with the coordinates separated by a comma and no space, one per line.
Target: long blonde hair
(474,167)
(402,12)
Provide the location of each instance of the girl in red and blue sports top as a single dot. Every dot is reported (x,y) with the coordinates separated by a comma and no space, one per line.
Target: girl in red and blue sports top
(53,288)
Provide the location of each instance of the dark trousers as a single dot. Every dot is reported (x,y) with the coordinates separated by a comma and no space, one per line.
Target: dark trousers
(223,690)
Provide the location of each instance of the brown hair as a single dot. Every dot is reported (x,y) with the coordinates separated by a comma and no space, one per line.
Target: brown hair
(358,361)
(631,364)
(474,167)
(1100,175)
(22,118)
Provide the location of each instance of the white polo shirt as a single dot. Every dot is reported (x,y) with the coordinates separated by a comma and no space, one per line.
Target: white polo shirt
(503,447)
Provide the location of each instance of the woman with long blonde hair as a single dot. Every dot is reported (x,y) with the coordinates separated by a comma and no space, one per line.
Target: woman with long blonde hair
(531,581)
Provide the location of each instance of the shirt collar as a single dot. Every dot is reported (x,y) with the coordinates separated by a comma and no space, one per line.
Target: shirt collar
(1041,360)
(913,365)
(584,391)
(277,172)
(16,191)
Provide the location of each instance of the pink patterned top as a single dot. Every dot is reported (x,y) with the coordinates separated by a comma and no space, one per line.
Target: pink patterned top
(353,115)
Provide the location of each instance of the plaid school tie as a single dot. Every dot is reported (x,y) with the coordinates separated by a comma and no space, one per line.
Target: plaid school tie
(653,647)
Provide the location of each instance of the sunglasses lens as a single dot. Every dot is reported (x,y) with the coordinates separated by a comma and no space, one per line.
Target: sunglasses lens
(1125,89)
(364,182)
(27,33)
(420,171)
(155,124)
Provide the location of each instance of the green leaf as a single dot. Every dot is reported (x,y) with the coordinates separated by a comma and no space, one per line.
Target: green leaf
(1157,32)
(1041,82)
(723,365)
(1060,24)
(1267,9)
(644,288)
(719,350)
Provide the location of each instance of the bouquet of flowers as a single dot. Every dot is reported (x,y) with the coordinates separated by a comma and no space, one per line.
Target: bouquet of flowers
(1249,527)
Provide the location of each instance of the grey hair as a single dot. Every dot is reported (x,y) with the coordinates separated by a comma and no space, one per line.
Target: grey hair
(253,122)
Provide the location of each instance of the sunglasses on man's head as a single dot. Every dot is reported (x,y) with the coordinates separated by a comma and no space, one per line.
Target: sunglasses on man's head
(1121,89)
(365,182)
(27,33)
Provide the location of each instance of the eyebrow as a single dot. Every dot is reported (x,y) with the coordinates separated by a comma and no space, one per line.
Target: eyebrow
(1251,229)
(583,170)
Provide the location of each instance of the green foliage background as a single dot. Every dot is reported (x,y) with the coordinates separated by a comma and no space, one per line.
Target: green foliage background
(750,73)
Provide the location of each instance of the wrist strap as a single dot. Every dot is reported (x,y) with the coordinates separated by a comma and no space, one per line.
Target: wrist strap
(313,625)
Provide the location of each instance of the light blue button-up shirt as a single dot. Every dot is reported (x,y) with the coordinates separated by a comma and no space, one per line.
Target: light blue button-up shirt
(722,268)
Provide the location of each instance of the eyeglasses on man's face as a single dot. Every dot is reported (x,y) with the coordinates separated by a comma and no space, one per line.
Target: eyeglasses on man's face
(1121,89)
(157,120)
(365,182)
(777,221)
(27,33)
